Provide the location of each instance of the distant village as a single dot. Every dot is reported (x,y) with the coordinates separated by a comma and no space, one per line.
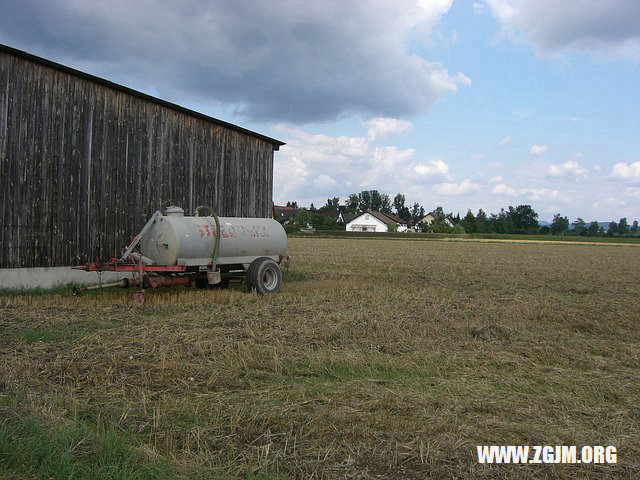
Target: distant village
(372,211)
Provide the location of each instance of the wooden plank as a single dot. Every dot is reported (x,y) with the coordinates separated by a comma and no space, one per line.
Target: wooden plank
(84,165)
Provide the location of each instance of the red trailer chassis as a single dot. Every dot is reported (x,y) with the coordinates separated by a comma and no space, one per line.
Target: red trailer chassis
(149,276)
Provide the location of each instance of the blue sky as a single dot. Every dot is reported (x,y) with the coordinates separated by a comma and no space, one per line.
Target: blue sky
(456,103)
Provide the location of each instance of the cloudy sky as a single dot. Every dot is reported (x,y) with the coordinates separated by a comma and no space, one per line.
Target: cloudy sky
(458,103)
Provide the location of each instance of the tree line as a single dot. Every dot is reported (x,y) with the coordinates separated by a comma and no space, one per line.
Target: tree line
(521,219)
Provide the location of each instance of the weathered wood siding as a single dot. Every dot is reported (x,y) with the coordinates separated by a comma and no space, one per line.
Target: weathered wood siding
(84,165)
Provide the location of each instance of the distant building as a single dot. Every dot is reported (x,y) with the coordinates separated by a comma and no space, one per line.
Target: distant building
(370,221)
(332,213)
(284,214)
(429,218)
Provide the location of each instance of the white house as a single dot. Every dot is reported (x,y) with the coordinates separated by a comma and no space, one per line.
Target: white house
(373,222)
(431,216)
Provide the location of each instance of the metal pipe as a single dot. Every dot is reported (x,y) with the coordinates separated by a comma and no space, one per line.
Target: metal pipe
(160,281)
(119,283)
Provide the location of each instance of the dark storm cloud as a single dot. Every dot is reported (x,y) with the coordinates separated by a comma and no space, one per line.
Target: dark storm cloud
(278,60)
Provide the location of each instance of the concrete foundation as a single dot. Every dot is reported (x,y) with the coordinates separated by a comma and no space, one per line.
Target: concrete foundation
(49,277)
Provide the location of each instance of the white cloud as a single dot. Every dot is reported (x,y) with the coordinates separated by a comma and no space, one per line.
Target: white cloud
(380,127)
(462,188)
(496,179)
(462,79)
(324,182)
(433,168)
(505,140)
(606,28)
(478,7)
(312,166)
(615,201)
(504,189)
(434,8)
(539,194)
(531,193)
(627,172)
(570,167)
(538,149)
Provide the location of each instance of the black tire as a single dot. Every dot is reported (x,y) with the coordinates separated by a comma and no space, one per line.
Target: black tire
(265,277)
(252,266)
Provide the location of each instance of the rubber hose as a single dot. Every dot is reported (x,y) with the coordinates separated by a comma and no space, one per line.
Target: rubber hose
(216,247)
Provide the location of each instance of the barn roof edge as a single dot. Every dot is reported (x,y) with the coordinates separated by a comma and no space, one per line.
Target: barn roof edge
(116,86)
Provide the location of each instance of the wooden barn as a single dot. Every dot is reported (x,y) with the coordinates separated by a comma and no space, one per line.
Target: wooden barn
(84,162)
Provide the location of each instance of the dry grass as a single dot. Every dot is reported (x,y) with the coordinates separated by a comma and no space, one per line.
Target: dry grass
(385,359)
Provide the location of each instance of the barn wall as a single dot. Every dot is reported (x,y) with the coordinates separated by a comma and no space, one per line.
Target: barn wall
(83,166)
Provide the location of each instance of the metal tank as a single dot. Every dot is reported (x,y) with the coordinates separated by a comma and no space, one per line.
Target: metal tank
(176,250)
(173,239)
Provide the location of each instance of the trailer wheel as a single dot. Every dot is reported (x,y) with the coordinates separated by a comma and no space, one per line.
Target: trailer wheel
(264,276)
(252,266)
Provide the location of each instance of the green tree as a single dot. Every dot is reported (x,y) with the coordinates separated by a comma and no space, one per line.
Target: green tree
(376,200)
(392,227)
(353,203)
(559,225)
(439,225)
(524,219)
(492,221)
(593,228)
(613,229)
(623,226)
(469,223)
(365,200)
(369,200)
(292,204)
(302,219)
(386,204)
(634,228)
(503,222)
(322,222)
(417,213)
(481,222)
(401,209)
(332,203)
(579,227)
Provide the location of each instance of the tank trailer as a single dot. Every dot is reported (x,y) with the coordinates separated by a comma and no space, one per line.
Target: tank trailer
(174,249)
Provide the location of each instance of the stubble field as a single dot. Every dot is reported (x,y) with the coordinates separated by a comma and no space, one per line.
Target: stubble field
(378,359)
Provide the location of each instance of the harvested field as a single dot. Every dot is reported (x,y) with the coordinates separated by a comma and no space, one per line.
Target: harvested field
(378,359)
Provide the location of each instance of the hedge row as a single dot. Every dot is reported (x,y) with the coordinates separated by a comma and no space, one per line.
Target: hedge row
(344,233)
